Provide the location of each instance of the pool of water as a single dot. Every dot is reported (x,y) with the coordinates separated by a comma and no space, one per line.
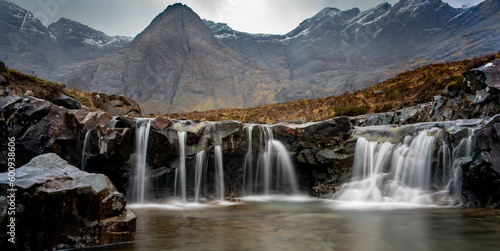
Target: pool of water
(262,223)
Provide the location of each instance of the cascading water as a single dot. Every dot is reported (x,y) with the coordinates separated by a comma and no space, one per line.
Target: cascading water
(141,138)
(248,164)
(219,172)
(402,173)
(84,151)
(275,170)
(182,165)
(191,176)
(199,167)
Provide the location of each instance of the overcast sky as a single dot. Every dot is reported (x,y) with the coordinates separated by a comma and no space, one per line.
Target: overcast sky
(130,17)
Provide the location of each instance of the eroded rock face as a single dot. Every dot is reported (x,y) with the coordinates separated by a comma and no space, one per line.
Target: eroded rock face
(117,105)
(481,187)
(38,127)
(59,206)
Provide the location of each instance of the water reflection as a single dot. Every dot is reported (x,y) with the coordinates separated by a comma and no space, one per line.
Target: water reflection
(296,224)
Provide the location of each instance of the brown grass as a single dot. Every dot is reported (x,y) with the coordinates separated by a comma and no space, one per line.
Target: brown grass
(20,82)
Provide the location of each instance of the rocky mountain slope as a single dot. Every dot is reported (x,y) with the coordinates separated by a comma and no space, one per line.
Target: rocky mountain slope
(27,45)
(81,42)
(177,64)
(337,51)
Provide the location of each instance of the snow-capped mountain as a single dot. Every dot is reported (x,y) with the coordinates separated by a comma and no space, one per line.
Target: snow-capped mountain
(26,43)
(76,39)
(14,17)
(29,46)
(337,51)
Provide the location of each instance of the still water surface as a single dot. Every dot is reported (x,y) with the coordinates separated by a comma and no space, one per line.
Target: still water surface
(306,224)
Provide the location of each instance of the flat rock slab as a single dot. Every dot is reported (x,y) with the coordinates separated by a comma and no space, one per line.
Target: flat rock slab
(59,206)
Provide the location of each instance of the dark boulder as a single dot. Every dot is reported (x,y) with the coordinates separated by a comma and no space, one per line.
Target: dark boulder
(39,127)
(58,206)
(67,102)
(117,105)
(481,186)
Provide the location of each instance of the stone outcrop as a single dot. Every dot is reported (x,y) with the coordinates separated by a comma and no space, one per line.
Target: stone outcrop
(117,105)
(477,96)
(481,186)
(58,206)
(40,127)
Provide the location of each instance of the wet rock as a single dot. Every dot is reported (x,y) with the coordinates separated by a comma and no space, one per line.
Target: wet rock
(67,102)
(307,156)
(90,119)
(109,152)
(59,206)
(118,122)
(227,134)
(117,105)
(481,185)
(324,191)
(29,93)
(298,121)
(38,127)
(3,81)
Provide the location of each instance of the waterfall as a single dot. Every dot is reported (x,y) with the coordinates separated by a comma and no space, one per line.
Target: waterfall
(275,170)
(141,144)
(219,172)
(248,164)
(182,165)
(402,173)
(199,167)
(84,151)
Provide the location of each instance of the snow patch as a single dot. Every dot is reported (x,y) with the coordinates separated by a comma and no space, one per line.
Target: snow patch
(92,42)
(226,35)
(302,33)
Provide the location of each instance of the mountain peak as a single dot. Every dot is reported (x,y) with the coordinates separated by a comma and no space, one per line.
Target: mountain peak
(176,13)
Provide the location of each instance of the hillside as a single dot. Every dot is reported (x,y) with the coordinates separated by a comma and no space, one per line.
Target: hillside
(406,89)
(21,84)
(181,63)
